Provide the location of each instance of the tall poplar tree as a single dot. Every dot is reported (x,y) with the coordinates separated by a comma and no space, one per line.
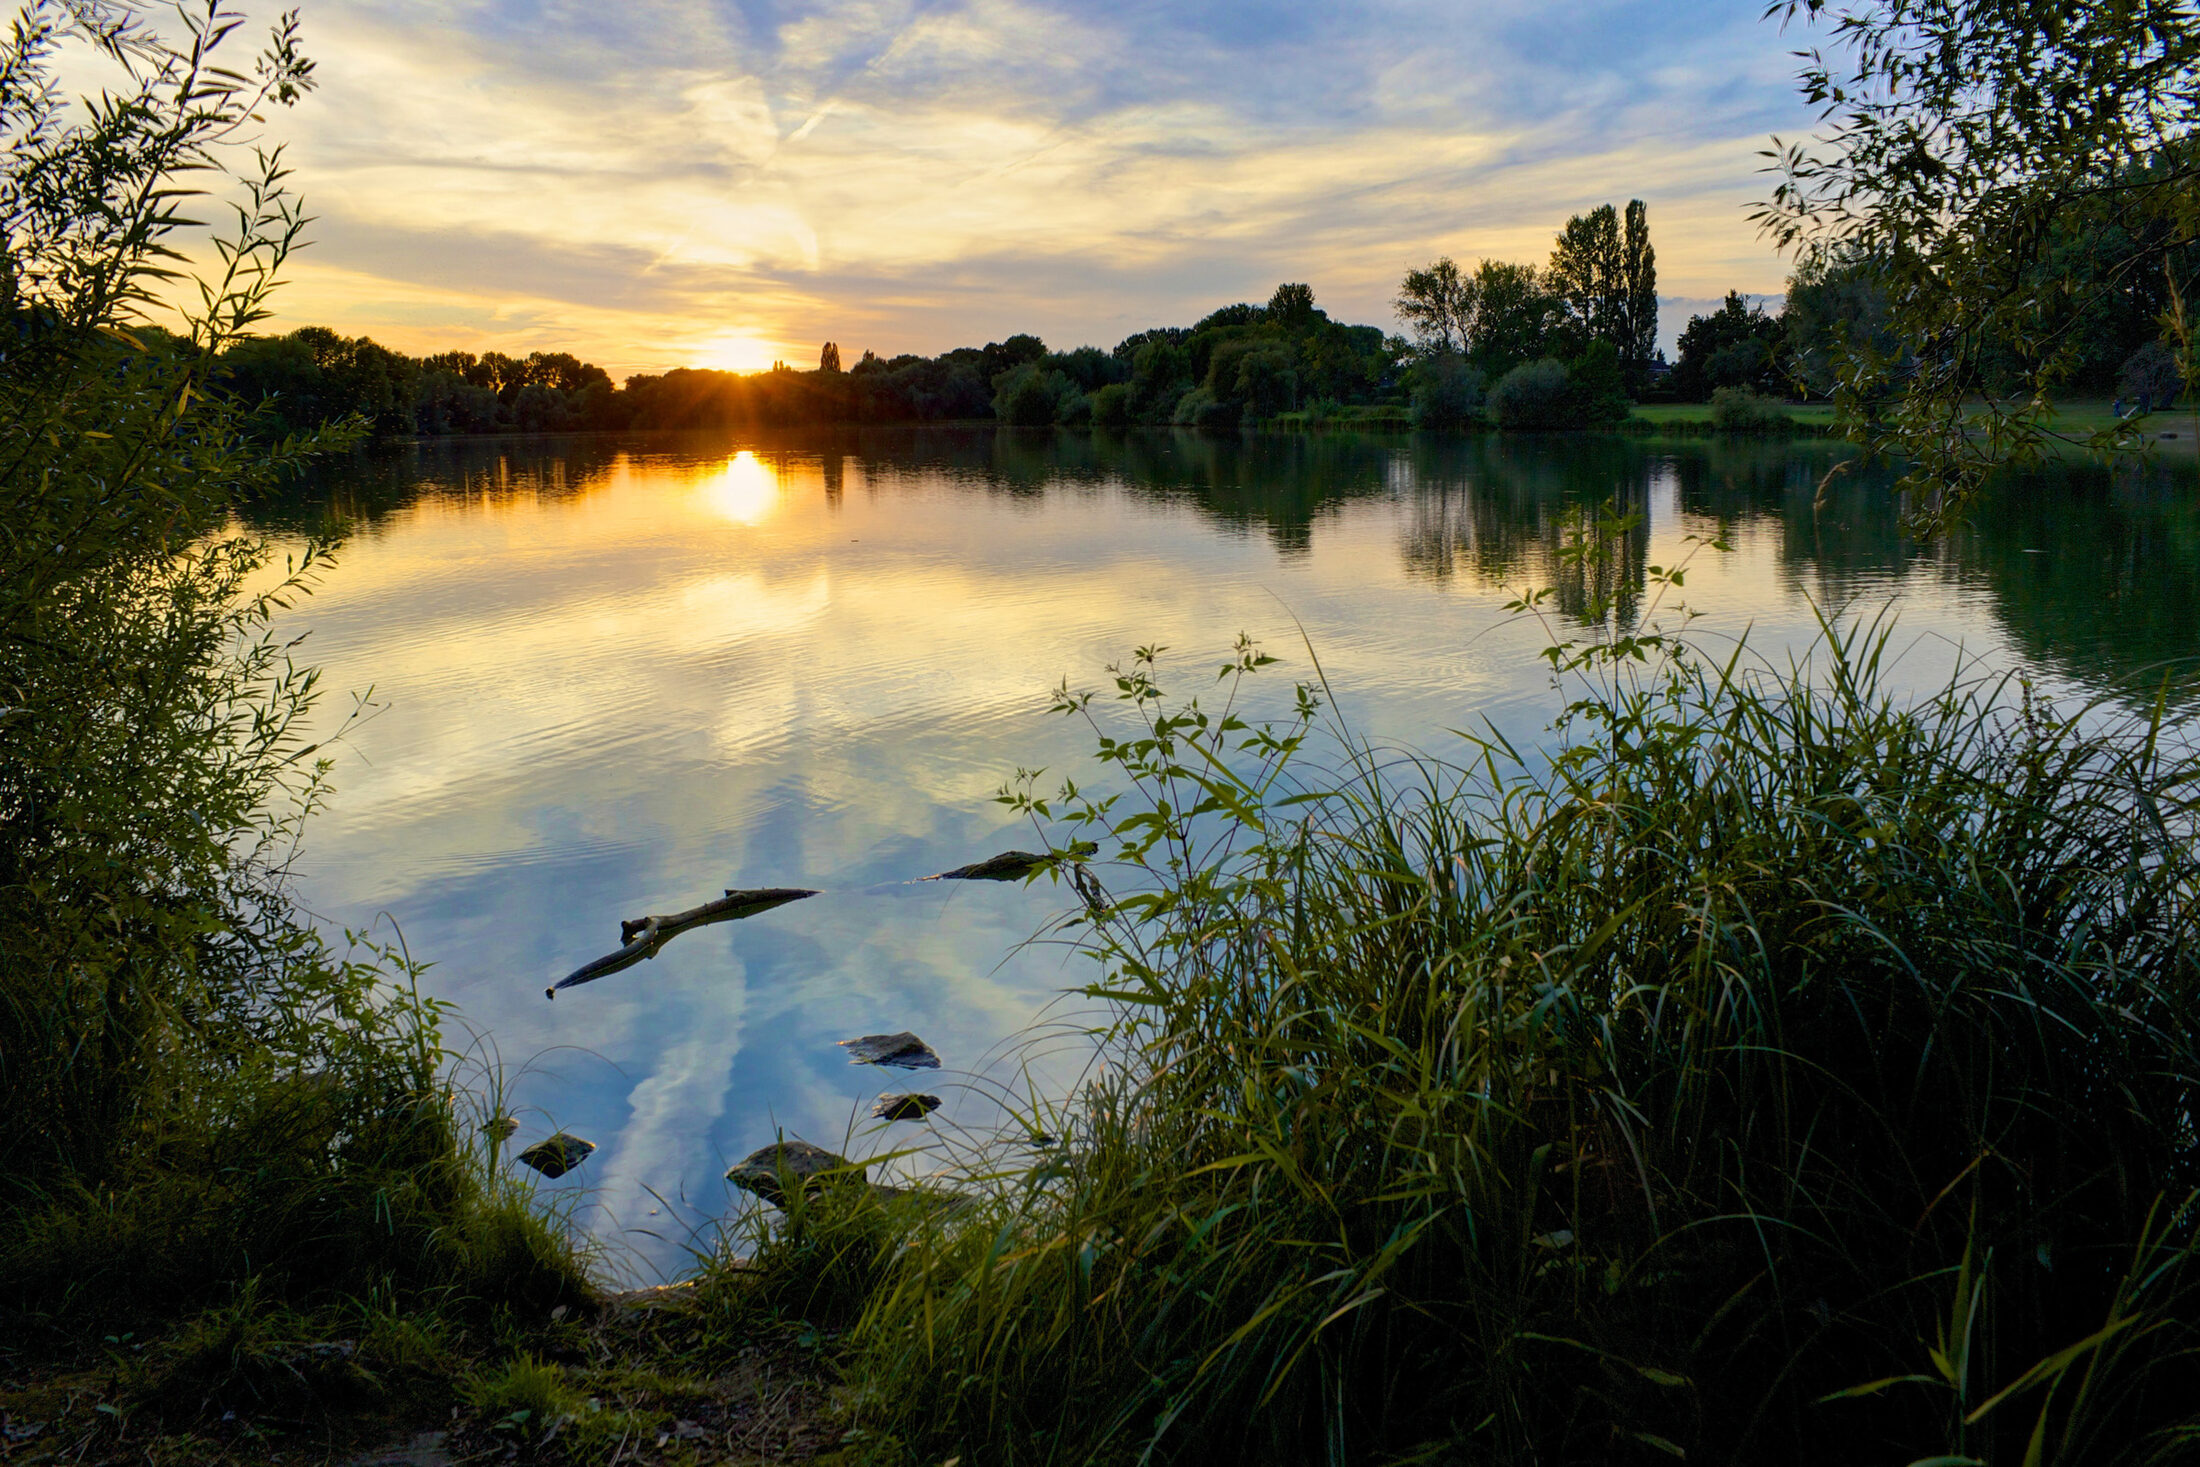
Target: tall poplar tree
(1639,289)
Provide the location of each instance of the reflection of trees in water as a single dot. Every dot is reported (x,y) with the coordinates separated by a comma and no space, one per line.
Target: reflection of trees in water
(2113,591)
(1854,542)
(1497,510)
(1278,482)
(2095,572)
(367,488)
(2092,572)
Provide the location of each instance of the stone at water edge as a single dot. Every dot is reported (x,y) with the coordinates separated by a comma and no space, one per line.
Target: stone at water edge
(759,1172)
(557,1155)
(904,1107)
(903,1051)
(500,1128)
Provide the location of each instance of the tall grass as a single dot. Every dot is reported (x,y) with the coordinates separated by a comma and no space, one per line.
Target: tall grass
(1781,1070)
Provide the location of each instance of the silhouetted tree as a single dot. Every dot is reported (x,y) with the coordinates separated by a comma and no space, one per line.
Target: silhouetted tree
(1437,304)
(1588,273)
(829,359)
(1515,317)
(1447,393)
(2151,377)
(1832,308)
(1737,345)
(1607,275)
(1638,340)
(1292,307)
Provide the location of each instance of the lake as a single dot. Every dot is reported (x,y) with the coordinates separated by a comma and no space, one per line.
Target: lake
(603,678)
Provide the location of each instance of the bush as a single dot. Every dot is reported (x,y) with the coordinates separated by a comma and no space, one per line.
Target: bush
(1598,385)
(1447,392)
(1111,406)
(1027,397)
(1200,408)
(1739,410)
(2150,377)
(1781,1071)
(197,1093)
(1259,379)
(1533,395)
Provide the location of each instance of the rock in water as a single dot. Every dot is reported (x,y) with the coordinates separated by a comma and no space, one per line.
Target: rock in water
(903,1051)
(905,1107)
(500,1128)
(557,1155)
(798,1162)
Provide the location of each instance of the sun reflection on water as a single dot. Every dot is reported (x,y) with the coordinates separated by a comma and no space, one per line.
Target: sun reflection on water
(745,491)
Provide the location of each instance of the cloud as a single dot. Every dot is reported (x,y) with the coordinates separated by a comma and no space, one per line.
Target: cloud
(647,183)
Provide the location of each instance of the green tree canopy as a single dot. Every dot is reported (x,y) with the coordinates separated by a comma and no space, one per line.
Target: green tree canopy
(1292,307)
(1515,317)
(1959,138)
(1737,345)
(1606,273)
(1638,269)
(1437,304)
(1588,273)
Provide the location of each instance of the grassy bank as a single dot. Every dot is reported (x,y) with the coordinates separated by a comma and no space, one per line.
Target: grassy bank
(1781,1071)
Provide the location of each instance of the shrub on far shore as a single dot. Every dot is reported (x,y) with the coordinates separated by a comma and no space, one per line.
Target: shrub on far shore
(1533,395)
(1111,406)
(1447,393)
(1739,410)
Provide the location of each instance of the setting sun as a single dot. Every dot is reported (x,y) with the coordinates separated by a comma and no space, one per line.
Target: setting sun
(745,492)
(738,354)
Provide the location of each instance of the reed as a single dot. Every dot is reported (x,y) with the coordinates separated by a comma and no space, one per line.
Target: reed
(1779,1069)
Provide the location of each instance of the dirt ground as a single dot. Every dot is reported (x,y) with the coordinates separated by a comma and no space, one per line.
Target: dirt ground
(652,1381)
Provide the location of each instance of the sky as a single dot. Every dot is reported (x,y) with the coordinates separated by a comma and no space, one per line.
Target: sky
(660,183)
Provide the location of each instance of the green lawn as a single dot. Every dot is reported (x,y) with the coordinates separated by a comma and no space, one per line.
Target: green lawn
(2080,415)
(1700,412)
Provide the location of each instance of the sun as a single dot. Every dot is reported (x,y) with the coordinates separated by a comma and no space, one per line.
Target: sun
(738,354)
(745,491)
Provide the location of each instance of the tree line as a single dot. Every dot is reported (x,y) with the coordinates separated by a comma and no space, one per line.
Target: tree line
(1592,311)
(1569,343)
(1239,363)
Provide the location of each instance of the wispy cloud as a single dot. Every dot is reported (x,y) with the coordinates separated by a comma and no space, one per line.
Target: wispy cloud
(678,181)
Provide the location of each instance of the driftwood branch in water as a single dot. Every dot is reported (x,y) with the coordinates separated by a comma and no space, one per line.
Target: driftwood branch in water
(1015,865)
(641,937)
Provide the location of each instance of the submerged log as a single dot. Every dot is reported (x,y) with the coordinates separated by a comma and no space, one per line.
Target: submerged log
(641,937)
(1014,865)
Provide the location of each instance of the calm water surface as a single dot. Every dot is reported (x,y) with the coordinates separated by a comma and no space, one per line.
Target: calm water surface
(612,678)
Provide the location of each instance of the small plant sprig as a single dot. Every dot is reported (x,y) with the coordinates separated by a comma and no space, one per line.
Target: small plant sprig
(1590,551)
(1193,797)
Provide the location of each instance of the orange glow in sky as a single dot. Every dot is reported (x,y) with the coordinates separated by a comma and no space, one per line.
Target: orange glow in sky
(740,354)
(691,183)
